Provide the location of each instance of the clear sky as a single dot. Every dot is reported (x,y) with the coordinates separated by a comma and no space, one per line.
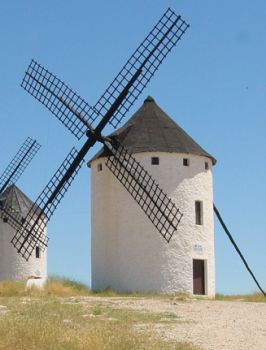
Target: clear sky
(213,84)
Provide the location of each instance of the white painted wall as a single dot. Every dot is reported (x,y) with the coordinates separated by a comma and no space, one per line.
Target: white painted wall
(13,265)
(128,253)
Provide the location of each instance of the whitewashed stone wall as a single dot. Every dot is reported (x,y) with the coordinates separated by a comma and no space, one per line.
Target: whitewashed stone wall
(128,253)
(12,265)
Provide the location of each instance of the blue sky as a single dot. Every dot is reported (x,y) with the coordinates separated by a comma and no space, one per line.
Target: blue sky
(213,84)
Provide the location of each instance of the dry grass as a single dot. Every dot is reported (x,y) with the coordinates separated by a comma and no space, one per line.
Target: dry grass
(54,319)
(256,297)
(54,286)
(12,288)
(43,321)
(53,323)
(64,287)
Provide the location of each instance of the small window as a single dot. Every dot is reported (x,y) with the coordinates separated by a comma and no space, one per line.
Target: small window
(199,212)
(37,253)
(185,161)
(99,167)
(155,160)
(206,166)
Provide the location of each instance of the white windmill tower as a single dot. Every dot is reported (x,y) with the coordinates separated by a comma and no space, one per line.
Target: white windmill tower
(128,254)
(14,206)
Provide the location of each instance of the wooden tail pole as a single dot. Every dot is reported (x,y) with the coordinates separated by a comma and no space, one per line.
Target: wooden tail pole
(237,249)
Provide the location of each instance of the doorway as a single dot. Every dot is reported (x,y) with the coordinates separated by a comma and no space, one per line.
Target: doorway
(199,277)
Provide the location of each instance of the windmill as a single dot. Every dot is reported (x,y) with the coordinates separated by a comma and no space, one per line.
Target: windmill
(17,204)
(79,118)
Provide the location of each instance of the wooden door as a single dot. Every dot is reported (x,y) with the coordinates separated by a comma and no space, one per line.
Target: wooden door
(198,277)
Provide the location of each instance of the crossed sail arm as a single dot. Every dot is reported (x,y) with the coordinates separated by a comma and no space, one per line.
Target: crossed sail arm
(18,222)
(70,108)
(31,233)
(79,117)
(74,112)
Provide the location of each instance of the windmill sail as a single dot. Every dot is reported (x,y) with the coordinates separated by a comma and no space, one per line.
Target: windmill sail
(78,117)
(146,58)
(71,109)
(18,222)
(74,112)
(19,163)
(158,207)
(31,233)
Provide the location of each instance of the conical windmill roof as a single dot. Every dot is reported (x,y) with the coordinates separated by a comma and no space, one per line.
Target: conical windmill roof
(13,197)
(150,129)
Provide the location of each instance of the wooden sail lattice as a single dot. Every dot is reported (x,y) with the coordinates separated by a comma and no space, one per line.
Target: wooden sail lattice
(151,198)
(79,117)
(19,163)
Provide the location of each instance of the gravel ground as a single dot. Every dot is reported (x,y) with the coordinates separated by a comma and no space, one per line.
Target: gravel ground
(212,325)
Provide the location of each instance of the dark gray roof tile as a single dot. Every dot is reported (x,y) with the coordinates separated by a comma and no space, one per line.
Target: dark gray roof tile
(150,129)
(13,197)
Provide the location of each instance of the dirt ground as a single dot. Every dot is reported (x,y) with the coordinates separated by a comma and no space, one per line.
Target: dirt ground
(211,325)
